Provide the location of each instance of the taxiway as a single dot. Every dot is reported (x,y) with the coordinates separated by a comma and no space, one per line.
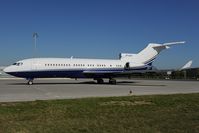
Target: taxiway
(43,89)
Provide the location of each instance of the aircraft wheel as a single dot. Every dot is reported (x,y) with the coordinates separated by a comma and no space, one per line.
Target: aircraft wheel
(112,81)
(100,81)
(30,82)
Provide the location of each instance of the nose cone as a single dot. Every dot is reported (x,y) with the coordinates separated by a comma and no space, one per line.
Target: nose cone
(6,70)
(10,70)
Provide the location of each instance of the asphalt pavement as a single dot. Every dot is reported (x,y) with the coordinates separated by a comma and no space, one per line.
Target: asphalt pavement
(12,90)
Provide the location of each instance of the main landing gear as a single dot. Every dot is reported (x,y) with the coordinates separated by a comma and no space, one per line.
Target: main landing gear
(111,81)
(100,81)
(30,81)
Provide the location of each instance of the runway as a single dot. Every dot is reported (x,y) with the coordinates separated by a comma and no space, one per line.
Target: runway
(12,90)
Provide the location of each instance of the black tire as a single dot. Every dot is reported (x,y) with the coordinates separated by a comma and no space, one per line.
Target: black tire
(112,81)
(30,82)
(100,81)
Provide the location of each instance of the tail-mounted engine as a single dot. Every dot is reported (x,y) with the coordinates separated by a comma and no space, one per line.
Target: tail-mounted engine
(133,65)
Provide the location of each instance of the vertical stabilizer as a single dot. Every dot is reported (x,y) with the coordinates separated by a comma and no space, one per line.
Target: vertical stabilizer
(148,55)
(187,65)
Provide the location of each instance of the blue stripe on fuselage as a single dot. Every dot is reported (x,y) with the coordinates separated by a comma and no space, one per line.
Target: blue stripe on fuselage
(150,61)
(71,73)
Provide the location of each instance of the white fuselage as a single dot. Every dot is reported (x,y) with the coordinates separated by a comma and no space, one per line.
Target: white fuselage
(69,67)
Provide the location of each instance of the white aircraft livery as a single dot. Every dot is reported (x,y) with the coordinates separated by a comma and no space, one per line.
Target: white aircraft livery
(97,69)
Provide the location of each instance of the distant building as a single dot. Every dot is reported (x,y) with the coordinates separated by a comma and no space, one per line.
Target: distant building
(189,74)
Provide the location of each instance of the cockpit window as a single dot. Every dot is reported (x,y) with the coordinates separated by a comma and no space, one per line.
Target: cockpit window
(18,64)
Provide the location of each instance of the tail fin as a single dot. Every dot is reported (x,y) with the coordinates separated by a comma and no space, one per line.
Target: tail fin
(187,65)
(148,55)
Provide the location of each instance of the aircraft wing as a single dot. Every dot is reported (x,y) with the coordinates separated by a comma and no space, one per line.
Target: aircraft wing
(111,73)
(100,72)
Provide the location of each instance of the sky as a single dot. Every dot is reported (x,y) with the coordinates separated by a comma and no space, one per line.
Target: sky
(99,29)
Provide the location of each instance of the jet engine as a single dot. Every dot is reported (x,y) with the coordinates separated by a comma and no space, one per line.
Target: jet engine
(133,65)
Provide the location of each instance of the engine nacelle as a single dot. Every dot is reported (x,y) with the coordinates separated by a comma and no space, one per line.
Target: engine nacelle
(133,65)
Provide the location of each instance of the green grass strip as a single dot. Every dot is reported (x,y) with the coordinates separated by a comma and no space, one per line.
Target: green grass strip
(134,114)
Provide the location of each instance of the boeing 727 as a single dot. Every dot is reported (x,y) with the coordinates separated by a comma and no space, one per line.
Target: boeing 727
(97,69)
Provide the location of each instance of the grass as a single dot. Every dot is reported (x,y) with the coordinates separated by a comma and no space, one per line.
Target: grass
(151,114)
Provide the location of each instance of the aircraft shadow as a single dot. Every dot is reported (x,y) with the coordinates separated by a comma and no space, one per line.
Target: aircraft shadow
(127,83)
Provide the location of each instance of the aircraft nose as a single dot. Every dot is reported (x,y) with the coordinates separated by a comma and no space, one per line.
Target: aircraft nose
(6,70)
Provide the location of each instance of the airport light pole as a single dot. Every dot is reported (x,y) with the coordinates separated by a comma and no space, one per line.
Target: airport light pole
(35,36)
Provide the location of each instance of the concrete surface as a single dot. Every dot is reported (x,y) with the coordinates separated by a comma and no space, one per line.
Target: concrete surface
(18,90)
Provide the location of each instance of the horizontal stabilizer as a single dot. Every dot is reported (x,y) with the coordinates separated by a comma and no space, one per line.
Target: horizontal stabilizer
(167,45)
(173,43)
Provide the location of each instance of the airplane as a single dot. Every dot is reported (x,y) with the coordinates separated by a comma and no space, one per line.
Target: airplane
(169,71)
(184,67)
(97,69)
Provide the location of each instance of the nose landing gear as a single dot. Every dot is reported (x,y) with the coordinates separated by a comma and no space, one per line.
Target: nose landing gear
(30,81)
